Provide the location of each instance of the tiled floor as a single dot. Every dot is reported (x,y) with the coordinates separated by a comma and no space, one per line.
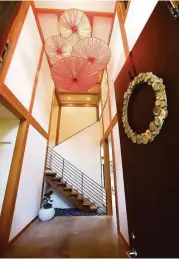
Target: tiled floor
(70,237)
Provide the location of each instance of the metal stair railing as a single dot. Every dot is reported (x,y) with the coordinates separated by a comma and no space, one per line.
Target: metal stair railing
(80,182)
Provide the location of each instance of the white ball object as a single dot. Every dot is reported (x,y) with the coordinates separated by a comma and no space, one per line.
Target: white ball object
(46,214)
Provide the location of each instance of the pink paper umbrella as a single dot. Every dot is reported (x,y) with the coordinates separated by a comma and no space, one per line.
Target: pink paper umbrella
(57,47)
(74,25)
(74,74)
(95,50)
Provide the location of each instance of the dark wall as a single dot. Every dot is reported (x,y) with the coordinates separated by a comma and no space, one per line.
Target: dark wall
(8,13)
(151,172)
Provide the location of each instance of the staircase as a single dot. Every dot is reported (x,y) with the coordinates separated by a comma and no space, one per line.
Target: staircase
(77,187)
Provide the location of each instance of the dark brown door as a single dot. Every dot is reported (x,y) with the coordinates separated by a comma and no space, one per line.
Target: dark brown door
(151,172)
(8,13)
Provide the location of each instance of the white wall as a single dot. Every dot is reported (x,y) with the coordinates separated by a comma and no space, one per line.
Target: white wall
(21,73)
(88,5)
(117,51)
(53,126)
(8,133)
(58,200)
(75,119)
(43,97)
(83,151)
(106,118)
(120,185)
(137,17)
(30,185)
(104,88)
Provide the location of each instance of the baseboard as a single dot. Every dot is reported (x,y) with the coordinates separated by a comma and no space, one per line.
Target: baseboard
(125,242)
(20,233)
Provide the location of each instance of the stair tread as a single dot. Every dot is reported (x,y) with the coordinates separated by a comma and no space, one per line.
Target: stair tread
(93,207)
(68,188)
(75,193)
(80,197)
(50,174)
(72,194)
(62,183)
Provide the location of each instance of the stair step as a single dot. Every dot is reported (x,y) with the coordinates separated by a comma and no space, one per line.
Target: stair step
(74,193)
(80,197)
(86,202)
(93,207)
(62,184)
(48,170)
(67,188)
(50,174)
(56,179)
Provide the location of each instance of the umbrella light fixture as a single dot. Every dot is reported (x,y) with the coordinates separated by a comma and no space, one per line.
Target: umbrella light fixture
(74,25)
(74,74)
(95,50)
(57,47)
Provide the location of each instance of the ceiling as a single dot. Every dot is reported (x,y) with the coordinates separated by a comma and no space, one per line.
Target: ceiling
(100,14)
(5,114)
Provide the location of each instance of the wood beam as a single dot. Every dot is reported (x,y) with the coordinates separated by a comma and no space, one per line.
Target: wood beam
(112,24)
(115,181)
(77,93)
(57,96)
(127,9)
(12,103)
(58,126)
(109,129)
(60,11)
(8,207)
(97,113)
(37,126)
(107,178)
(121,18)
(37,21)
(78,105)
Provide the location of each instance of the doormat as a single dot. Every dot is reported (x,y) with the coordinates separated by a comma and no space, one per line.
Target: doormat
(77,212)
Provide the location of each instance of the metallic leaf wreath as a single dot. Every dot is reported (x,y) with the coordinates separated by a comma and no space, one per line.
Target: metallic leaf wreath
(160,109)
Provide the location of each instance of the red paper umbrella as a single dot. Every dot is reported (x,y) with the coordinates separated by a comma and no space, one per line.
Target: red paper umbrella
(57,47)
(74,25)
(74,74)
(93,49)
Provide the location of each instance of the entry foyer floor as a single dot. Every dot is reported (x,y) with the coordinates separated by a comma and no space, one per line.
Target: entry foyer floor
(70,237)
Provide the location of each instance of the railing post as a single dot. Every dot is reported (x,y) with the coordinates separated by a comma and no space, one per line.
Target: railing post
(82,183)
(63,168)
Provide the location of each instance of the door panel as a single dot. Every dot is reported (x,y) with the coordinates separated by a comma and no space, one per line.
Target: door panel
(151,172)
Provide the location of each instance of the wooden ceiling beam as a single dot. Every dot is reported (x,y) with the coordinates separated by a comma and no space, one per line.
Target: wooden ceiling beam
(78,105)
(60,11)
(78,93)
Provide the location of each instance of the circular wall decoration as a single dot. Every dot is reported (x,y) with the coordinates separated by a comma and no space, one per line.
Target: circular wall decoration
(160,109)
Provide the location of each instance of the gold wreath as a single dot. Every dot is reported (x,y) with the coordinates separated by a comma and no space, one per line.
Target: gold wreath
(160,109)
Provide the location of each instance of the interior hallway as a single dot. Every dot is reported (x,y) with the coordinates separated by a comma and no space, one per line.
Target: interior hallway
(70,237)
